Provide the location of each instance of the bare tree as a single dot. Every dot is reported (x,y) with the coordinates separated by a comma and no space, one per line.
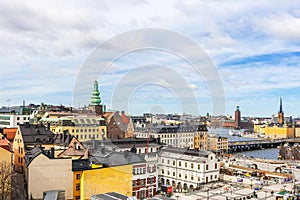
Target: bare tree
(5,180)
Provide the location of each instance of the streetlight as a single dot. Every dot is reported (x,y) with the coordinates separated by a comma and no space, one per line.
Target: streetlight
(207,193)
(265,194)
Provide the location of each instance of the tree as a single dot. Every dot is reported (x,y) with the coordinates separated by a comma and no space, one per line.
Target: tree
(5,180)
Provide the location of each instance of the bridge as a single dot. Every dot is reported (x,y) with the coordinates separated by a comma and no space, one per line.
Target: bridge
(235,146)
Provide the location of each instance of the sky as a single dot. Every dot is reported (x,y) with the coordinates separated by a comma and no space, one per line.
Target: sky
(254,46)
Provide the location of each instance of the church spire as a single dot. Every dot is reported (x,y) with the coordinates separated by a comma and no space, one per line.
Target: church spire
(95,99)
(280,106)
(280,114)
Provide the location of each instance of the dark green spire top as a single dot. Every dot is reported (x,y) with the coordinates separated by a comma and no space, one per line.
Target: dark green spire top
(95,99)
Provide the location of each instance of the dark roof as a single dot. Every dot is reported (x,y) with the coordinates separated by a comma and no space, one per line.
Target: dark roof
(107,159)
(114,158)
(184,151)
(181,128)
(39,134)
(109,196)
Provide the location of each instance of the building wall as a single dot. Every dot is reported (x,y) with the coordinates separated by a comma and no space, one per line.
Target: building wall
(49,174)
(76,184)
(179,139)
(200,140)
(279,132)
(258,128)
(175,171)
(19,153)
(218,144)
(6,163)
(103,180)
(297,132)
(11,120)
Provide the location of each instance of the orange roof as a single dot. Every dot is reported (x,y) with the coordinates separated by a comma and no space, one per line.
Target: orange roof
(4,142)
(125,119)
(10,133)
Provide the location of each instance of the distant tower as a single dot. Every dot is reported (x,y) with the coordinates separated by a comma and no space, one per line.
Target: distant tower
(95,103)
(95,99)
(280,114)
(237,117)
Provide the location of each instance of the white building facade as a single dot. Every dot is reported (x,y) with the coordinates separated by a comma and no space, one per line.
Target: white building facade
(175,136)
(187,169)
(13,120)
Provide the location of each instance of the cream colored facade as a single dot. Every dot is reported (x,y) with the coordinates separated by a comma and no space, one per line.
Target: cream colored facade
(44,174)
(82,127)
(297,132)
(218,144)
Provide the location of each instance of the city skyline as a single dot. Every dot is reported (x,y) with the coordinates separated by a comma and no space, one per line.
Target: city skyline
(254,46)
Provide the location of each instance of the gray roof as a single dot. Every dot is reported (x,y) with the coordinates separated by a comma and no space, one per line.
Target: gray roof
(109,196)
(39,134)
(115,158)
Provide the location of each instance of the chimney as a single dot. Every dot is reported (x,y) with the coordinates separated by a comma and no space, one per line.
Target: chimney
(52,152)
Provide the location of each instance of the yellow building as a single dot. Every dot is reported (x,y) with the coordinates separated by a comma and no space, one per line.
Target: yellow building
(259,128)
(200,138)
(112,179)
(82,127)
(97,179)
(297,132)
(218,144)
(279,132)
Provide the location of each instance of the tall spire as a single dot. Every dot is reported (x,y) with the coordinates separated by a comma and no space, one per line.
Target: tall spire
(280,106)
(95,99)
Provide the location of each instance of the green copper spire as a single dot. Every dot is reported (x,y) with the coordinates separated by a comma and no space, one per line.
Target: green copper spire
(95,99)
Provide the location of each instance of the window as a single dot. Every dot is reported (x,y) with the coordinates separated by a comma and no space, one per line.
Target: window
(185,164)
(168,172)
(179,175)
(206,167)
(211,177)
(77,197)
(173,173)
(192,177)
(168,162)
(174,162)
(162,171)
(179,163)
(192,165)
(216,165)
(77,176)
(185,176)
(77,186)
(198,166)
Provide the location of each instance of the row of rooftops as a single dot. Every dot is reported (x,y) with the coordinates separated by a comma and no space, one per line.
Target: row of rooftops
(153,128)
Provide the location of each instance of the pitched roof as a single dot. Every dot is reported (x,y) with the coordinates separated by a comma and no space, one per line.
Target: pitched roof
(10,133)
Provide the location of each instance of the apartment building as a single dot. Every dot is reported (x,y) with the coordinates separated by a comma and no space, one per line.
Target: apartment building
(218,144)
(181,136)
(186,169)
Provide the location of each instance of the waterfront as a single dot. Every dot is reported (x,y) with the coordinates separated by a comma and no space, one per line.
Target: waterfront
(264,153)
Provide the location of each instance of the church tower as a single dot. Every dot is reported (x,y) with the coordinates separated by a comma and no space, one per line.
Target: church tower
(95,102)
(280,114)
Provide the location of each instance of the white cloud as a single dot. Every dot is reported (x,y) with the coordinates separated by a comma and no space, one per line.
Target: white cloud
(52,39)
